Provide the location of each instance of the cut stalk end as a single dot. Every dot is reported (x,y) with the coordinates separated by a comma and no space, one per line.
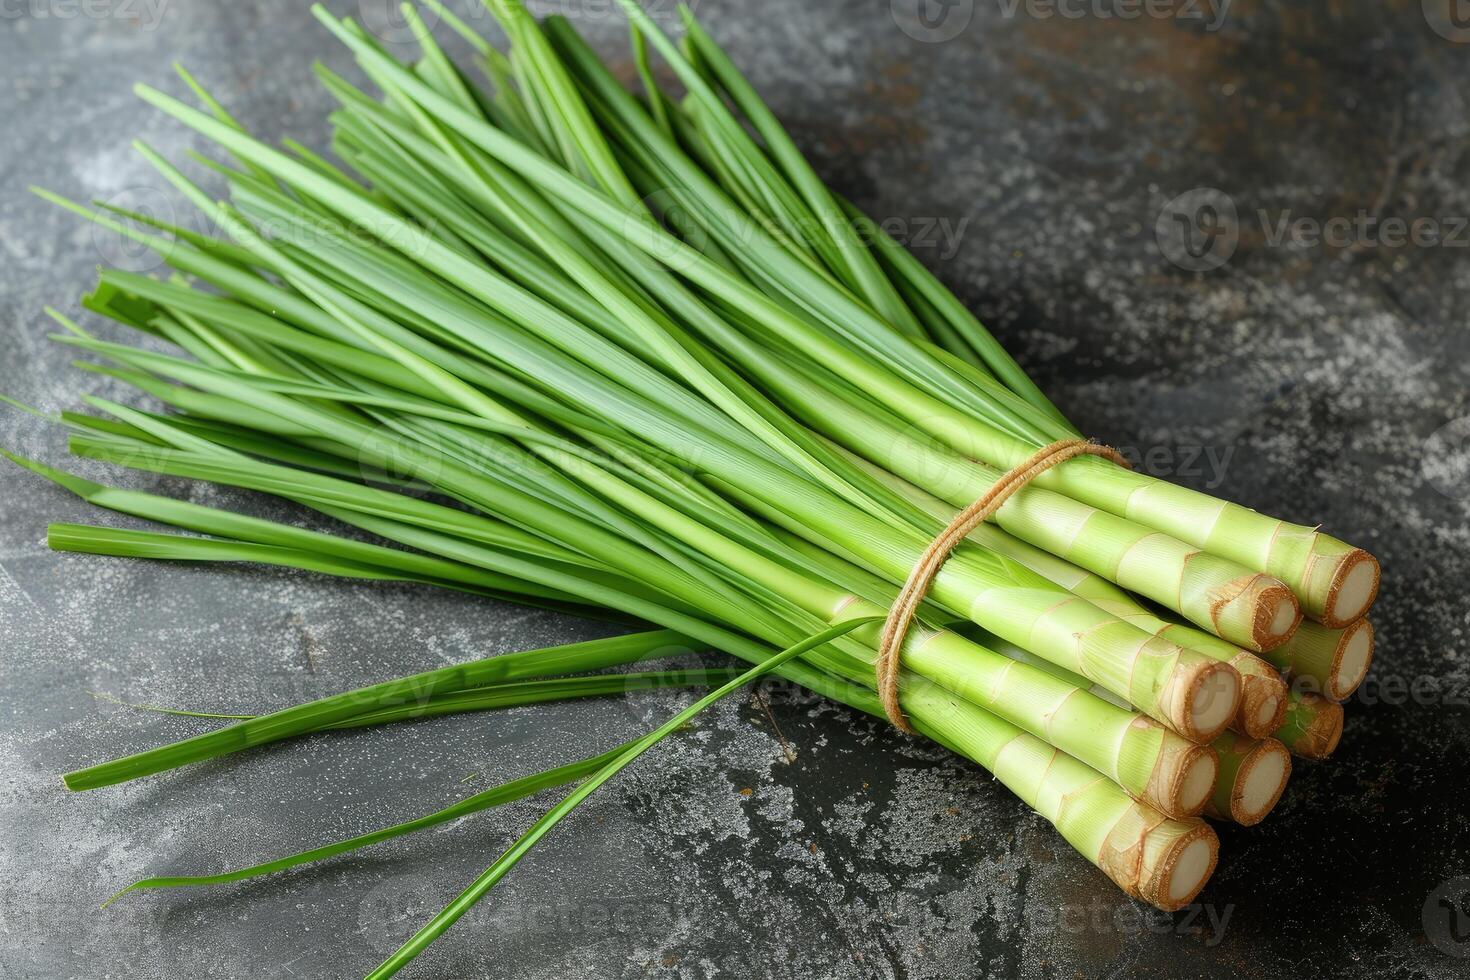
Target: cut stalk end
(1199,773)
(1351,662)
(1253,775)
(1336,661)
(1260,782)
(1277,614)
(1262,696)
(1164,862)
(1353,589)
(1183,773)
(1205,697)
(1251,609)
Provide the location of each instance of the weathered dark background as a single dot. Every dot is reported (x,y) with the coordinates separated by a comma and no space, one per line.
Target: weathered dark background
(1033,159)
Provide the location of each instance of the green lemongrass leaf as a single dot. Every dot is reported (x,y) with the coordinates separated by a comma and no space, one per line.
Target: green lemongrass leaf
(70,324)
(509,792)
(515,694)
(413,690)
(239,527)
(657,105)
(906,267)
(523,693)
(688,306)
(591,504)
(223,250)
(322,492)
(839,310)
(435,65)
(467,899)
(125,543)
(461,27)
(161,710)
(22,406)
(215,107)
(858,267)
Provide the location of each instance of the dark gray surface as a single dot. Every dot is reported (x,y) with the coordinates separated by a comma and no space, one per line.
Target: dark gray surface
(1320,375)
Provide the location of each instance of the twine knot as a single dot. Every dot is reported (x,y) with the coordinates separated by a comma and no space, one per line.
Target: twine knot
(906,605)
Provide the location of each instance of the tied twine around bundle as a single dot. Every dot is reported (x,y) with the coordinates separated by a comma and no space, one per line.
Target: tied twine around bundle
(906,606)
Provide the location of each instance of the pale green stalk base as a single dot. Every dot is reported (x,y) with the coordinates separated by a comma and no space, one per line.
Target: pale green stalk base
(1229,599)
(1313,725)
(1263,691)
(1161,861)
(1336,661)
(1334,582)
(1154,765)
(1253,775)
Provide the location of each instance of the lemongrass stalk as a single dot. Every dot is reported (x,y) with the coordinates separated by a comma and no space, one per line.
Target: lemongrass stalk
(1151,763)
(1336,661)
(1253,775)
(1334,581)
(1240,790)
(1263,690)
(1195,695)
(1249,609)
(1162,861)
(1313,725)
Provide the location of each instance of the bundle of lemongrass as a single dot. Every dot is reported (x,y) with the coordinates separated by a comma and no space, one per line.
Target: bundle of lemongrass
(626,355)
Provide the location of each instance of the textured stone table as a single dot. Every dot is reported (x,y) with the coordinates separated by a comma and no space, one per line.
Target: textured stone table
(1314,370)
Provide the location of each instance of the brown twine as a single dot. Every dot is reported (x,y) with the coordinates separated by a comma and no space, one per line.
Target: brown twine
(906,606)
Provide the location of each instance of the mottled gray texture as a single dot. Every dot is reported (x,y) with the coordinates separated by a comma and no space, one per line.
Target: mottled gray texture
(1318,374)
